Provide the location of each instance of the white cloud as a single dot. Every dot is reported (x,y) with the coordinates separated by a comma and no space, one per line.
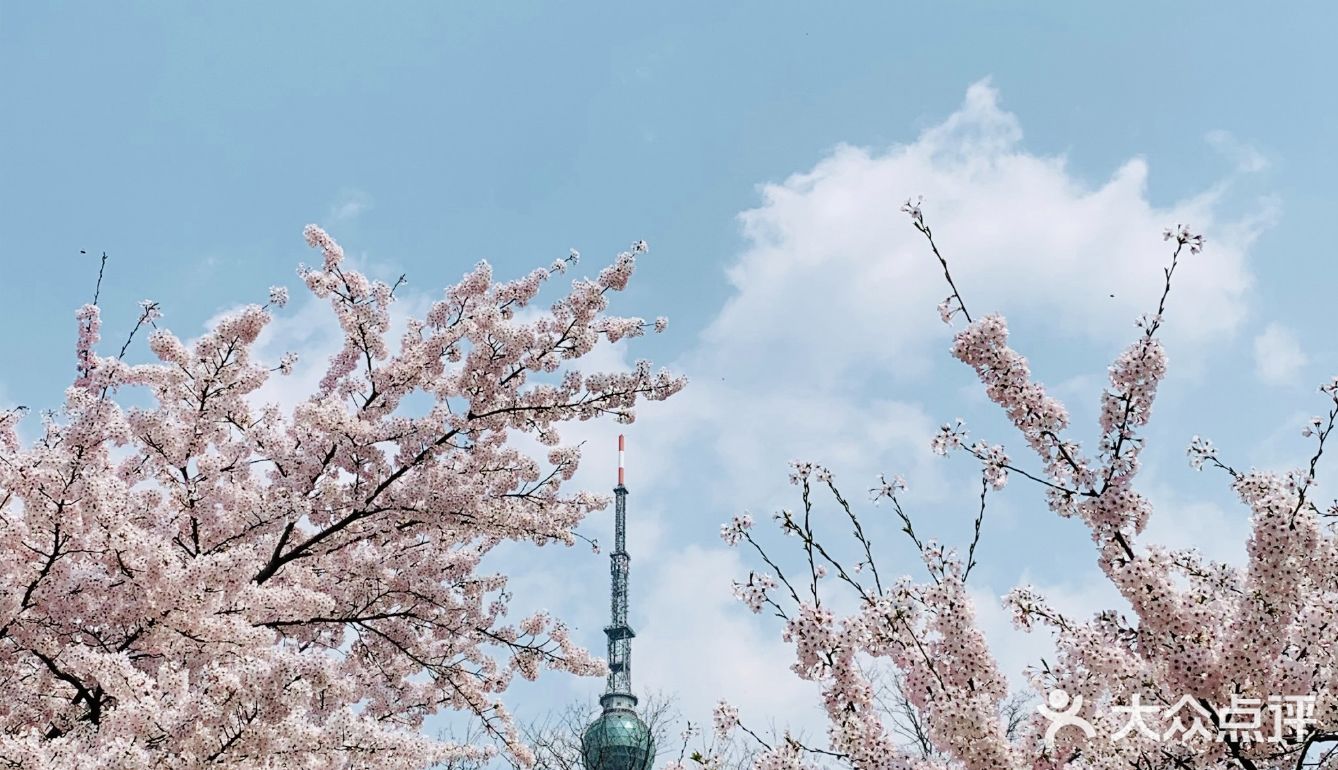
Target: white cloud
(1218,533)
(831,333)
(836,278)
(830,340)
(1246,157)
(1278,357)
(350,205)
(703,643)
(310,330)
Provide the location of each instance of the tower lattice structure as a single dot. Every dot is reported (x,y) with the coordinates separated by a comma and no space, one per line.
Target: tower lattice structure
(618,631)
(619,739)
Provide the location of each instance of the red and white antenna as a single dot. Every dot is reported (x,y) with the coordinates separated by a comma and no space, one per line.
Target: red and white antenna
(620,459)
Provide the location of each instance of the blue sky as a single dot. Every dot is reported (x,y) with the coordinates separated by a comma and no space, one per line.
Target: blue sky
(192,143)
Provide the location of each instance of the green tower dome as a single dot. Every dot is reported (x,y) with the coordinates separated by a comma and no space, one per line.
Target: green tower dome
(618,740)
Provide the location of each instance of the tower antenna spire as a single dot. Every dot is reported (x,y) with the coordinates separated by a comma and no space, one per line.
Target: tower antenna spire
(619,739)
(619,633)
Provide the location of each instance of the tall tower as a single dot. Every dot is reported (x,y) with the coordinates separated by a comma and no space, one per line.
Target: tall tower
(619,739)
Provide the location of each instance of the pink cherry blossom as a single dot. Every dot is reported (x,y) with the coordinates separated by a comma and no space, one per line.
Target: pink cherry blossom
(725,718)
(197,579)
(1194,633)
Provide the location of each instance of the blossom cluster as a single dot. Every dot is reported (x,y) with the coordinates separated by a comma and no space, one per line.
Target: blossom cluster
(735,530)
(1200,632)
(200,579)
(754,592)
(725,717)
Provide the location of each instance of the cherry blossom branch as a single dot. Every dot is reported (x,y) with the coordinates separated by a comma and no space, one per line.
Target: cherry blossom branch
(975,537)
(1321,435)
(906,525)
(780,575)
(361,530)
(1011,468)
(811,546)
(806,534)
(917,219)
(1182,238)
(859,534)
(148,313)
(102,266)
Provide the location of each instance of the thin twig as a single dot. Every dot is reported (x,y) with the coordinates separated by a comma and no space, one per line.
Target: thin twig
(975,539)
(929,236)
(97,290)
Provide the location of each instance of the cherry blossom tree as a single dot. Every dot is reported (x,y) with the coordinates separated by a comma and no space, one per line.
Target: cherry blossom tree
(1217,666)
(202,580)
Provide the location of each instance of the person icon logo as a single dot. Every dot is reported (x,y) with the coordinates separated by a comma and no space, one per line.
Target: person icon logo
(1063,712)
